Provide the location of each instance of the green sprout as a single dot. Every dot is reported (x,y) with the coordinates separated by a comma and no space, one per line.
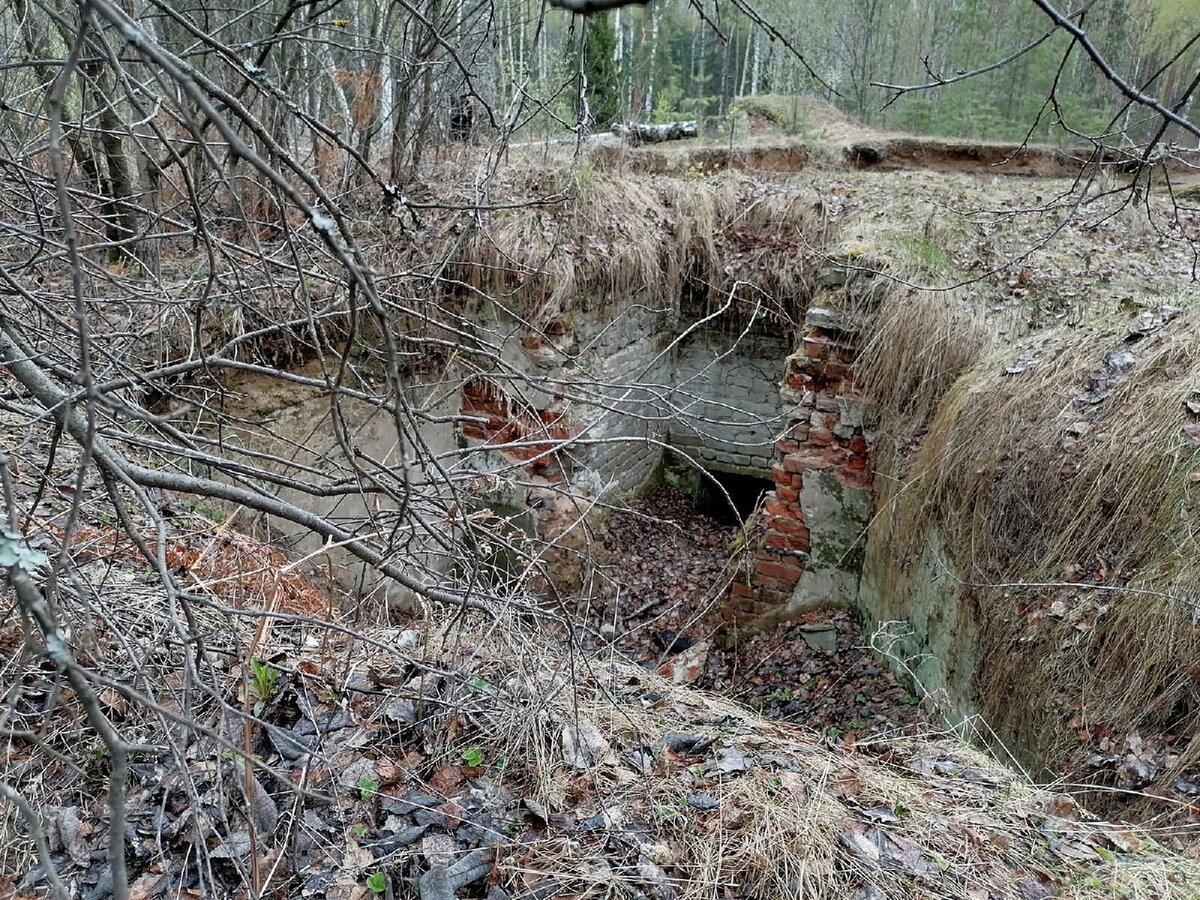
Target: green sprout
(264,682)
(367,787)
(377,882)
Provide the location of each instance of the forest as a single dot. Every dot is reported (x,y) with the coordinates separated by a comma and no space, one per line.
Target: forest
(666,62)
(380,81)
(669,61)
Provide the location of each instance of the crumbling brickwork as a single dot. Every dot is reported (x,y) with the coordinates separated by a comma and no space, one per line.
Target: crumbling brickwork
(824,449)
(529,436)
(730,408)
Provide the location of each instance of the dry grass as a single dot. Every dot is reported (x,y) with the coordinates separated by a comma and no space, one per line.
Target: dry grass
(912,817)
(906,817)
(990,447)
(606,241)
(1027,480)
(621,238)
(917,342)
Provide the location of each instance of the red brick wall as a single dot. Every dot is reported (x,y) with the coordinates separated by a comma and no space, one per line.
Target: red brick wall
(526,435)
(818,381)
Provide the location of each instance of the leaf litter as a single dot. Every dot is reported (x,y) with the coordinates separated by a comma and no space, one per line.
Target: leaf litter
(668,564)
(560,780)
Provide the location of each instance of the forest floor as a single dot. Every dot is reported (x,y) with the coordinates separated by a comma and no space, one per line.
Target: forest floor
(448,759)
(668,563)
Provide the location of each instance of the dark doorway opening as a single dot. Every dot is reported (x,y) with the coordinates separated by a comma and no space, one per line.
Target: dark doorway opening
(745,491)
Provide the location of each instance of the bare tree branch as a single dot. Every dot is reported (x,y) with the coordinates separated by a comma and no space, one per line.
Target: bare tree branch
(1106,69)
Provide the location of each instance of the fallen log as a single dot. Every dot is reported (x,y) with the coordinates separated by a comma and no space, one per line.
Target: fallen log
(636,133)
(587,7)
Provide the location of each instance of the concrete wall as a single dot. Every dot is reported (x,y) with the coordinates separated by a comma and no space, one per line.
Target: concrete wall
(632,357)
(727,409)
(544,422)
(923,625)
(597,381)
(299,428)
(613,388)
(583,398)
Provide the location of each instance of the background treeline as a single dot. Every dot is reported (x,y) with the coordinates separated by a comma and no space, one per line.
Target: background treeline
(667,61)
(341,83)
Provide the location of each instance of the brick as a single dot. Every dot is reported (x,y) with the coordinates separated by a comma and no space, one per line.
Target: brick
(780,475)
(740,589)
(815,349)
(820,437)
(787,445)
(780,571)
(768,556)
(830,371)
(830,457)
(768,585)
(784,542)
(791,528)
(799,432)
(778,509)
(787,494)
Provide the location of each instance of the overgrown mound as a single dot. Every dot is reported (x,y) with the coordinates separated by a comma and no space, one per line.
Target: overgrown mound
(792,114)
(1039,509)
(1066,471)
(569,240)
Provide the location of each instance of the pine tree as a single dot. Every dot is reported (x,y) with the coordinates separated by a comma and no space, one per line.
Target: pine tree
(600,68)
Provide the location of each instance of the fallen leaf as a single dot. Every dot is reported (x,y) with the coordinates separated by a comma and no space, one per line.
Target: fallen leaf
(262,808)
(846,785)
(584,747)
(146,886)
(74,834)
(729,760)
(114,702)
(446,779)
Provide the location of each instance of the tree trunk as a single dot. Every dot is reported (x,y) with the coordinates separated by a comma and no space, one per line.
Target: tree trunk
(654,134)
